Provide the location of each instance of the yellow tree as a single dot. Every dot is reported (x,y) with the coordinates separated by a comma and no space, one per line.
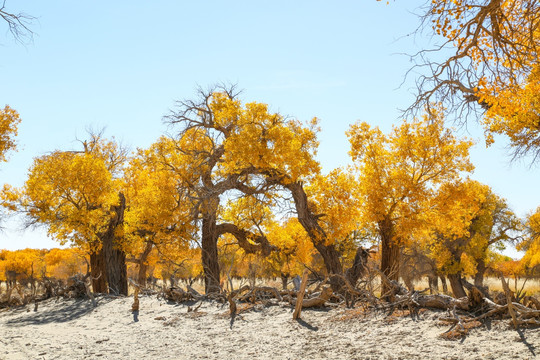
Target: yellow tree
(294,252)
(224,147)
(398,175)
(64,263)
(468,222)
(75,194)
(493,228)
(158,214)
(455,221)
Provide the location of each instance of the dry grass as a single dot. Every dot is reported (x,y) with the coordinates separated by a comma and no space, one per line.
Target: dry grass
(532,286)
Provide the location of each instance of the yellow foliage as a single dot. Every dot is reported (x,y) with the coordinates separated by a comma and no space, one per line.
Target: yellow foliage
(495,47)
(399,172)
(9,120)
(156,210)
(531,243)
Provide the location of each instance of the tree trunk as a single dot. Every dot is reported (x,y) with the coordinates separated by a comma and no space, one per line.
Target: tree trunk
(98,272)
(209,251)
(433,281)
(143,267)
(284,280)
(457,286)
(389,257)
(116,268)
(115,258)
(480,271)
(444,284)
(358,269)
(310,222)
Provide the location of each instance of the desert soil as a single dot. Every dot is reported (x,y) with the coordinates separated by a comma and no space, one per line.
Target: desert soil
(73,329)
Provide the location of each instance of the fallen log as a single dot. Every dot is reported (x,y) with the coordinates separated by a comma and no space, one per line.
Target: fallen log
(176,295)
(436,301)
(319,299)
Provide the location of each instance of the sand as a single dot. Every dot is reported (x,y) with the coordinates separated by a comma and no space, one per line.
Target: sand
(73,329)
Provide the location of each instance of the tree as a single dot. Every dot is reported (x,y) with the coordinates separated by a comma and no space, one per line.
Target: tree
(222,146)
(398,175)
(496,226)
(456,220)
(469,222)
(158,215)
(76,195)
(488,65)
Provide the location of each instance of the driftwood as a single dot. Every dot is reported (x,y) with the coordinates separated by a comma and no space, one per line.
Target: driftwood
(318,299)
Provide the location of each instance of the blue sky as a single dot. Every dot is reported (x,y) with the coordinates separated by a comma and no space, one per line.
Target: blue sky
(122,64)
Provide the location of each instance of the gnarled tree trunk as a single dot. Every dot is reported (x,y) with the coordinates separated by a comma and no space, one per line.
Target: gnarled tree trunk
(209,250)
(389,256)
(98,272)
(115,258)
(310,223)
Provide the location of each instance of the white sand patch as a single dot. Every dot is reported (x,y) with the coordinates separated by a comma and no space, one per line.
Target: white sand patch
(72,329)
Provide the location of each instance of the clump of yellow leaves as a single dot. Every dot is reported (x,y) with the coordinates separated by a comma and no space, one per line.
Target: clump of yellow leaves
(9,120)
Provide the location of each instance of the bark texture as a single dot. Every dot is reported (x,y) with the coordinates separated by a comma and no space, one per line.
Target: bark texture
(390,255)
(457,285)
(115,258)
(98,272)
(209,248)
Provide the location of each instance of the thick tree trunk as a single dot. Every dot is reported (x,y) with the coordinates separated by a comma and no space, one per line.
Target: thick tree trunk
(358,269)
(116,268)
(318,237)
(389,257)
(480,271)
(98,272)
(115,258)
(457,286)
(209,249)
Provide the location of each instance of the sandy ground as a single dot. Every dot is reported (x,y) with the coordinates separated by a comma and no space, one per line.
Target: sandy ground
(73,329)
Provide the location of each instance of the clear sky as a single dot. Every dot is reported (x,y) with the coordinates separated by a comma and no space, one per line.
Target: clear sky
(122,64)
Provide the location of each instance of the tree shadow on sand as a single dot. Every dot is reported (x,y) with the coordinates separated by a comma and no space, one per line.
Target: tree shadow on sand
(307,325)
(64,311)
(529,346)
